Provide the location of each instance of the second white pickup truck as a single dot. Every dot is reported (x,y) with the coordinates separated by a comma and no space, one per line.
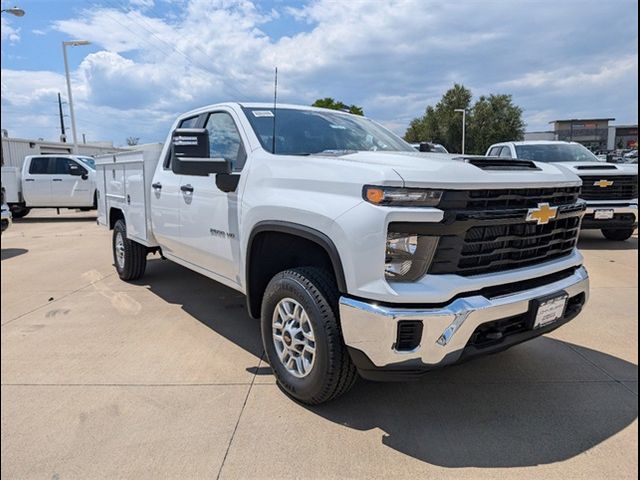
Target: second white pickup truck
(610,190)
(50,181)
(358,254)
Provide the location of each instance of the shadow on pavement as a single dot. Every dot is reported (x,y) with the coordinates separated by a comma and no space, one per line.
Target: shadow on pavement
(537,403)
(8,253)
(594,240)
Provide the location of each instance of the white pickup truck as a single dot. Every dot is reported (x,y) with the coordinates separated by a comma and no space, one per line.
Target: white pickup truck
(358,254)
(46,181)
(610,190)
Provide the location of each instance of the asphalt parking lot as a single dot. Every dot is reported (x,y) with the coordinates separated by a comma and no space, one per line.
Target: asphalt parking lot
(165,378)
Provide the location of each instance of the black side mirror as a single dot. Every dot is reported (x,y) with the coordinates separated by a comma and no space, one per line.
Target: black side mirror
(425,147)
(76,170)
(190,153)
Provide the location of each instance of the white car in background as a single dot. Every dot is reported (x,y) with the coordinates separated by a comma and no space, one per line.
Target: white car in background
(433,147)
(610,190)
(50,181)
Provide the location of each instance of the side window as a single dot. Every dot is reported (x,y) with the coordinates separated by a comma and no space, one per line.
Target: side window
(224,140)
(39,166)
(506,152)
(494,152)
(63,166)
(190,122)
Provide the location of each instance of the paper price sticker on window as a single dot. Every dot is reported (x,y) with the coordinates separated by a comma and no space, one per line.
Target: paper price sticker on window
(262,113)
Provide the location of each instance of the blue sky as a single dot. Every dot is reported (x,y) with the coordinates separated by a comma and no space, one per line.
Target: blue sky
(150,60)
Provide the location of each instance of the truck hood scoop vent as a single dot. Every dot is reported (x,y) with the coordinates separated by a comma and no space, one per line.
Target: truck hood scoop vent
(596,167)
(499,163)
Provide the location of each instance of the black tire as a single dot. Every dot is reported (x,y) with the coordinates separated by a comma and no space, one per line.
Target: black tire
(134,261)
(618,235)
(332,373)
(19,211)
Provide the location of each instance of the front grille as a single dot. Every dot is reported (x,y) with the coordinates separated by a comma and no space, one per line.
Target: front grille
(494,248)
(505,199)
(624,187)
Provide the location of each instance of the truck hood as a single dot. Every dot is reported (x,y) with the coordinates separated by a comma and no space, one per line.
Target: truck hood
(598,168)
(448,170)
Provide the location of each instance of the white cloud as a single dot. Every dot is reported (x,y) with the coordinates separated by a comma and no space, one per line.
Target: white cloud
(392,57)
(570,78)
(8,33)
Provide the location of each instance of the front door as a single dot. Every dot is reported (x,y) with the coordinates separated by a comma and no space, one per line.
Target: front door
(208,216)
(166,199)
(36,183)
(69,190)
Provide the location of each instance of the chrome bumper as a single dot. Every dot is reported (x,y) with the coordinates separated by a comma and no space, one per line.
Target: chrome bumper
(372,329)
(624,208)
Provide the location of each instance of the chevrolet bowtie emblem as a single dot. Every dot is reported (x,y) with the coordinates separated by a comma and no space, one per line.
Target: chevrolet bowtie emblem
(603,183)
(542,214)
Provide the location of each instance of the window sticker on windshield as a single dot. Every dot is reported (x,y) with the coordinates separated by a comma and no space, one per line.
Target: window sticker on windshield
(262,113)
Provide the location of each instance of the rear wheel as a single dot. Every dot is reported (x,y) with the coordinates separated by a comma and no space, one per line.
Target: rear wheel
(302,336)
(19,211)
(129,257)
(619,235)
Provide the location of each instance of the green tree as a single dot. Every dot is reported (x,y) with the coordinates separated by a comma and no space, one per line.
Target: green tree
(490,120)
(442,124)
(493,119)
(329,102)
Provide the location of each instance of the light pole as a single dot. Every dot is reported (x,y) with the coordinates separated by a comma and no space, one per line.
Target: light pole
(74,43)
(18,12)
(464,124)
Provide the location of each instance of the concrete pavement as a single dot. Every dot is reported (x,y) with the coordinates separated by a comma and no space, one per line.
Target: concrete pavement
(165,378)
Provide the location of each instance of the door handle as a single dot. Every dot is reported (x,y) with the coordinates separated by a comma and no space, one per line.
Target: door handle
(29,179)
(156,186)
(57,179)
(187,188)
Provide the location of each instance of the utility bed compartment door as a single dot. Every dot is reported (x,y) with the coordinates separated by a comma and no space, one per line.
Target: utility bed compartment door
(134,196)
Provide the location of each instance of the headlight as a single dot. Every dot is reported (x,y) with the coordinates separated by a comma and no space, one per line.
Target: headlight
(408,256)
(401,197)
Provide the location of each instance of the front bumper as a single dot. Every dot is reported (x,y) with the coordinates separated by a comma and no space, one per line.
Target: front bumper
(370,330)
(624,216)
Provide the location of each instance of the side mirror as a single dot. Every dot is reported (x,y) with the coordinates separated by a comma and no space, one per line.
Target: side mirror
(425,147)
(190,153)
(76,170)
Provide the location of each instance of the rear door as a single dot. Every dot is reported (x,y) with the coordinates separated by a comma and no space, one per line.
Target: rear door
(70,190)
(36,182)
(208,216)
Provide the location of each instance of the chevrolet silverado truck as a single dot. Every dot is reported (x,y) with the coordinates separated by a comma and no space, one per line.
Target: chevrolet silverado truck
(610,190)
(50,181)
(357,253)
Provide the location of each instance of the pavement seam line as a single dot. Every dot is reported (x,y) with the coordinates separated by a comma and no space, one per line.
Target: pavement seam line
(235,429)
(56,299)
(592,363)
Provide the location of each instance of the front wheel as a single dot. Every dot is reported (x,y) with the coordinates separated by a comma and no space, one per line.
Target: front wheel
(618,235)
(19,211)
(129,257)
(302,336)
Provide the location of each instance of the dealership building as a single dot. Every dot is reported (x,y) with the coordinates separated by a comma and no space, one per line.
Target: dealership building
(596,134)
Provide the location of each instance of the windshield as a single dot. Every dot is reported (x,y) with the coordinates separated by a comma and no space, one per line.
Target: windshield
(88,161)
(555,152)
(304,132)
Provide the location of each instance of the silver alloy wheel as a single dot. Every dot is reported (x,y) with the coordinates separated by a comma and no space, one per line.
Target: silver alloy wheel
(119,248)
(293,337)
